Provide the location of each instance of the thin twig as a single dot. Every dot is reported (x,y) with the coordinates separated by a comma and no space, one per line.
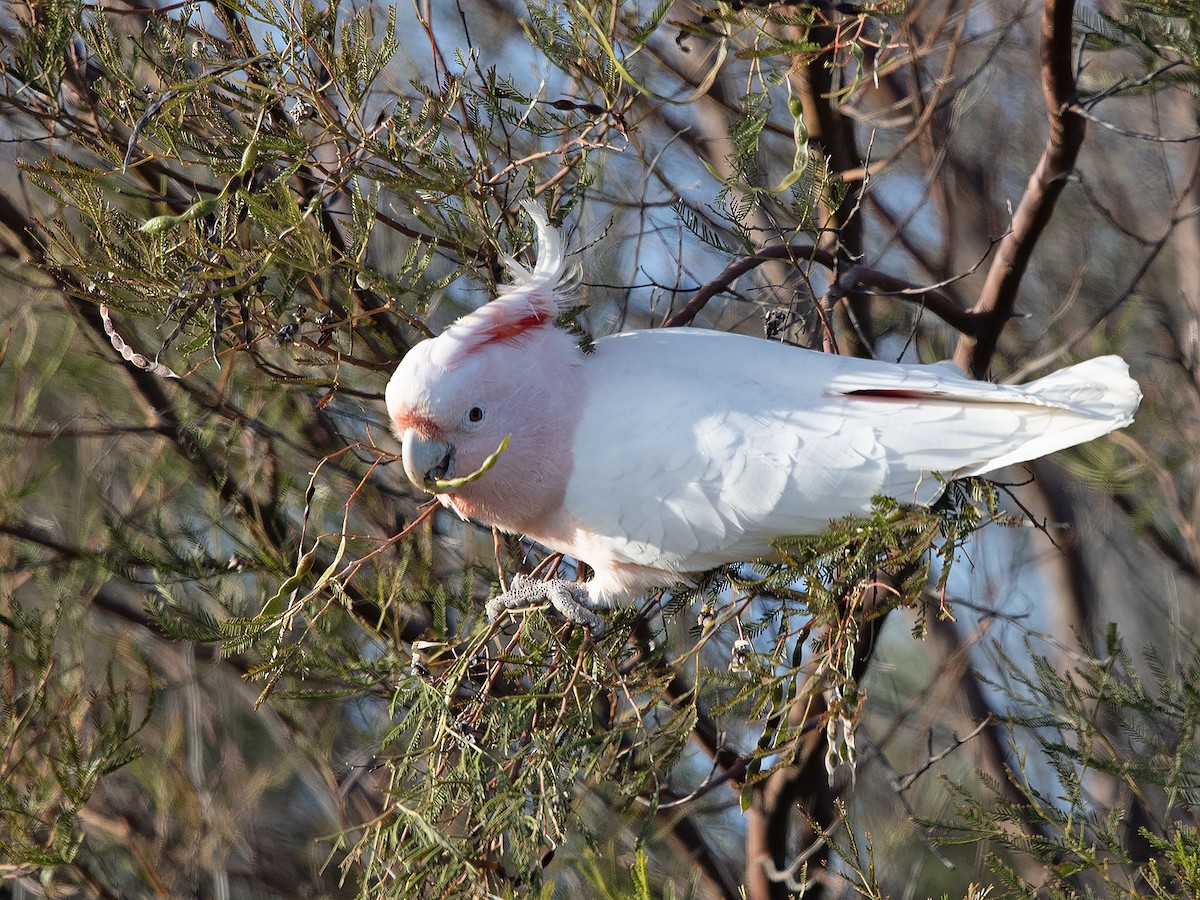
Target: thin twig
(930,297)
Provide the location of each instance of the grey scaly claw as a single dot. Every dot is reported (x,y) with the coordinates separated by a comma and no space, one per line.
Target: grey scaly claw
(570,599)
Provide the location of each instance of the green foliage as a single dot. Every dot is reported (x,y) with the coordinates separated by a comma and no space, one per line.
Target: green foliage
(638,883)
(1102,727)
(897,539)
(1175,872)
(247,231)
(500,736)
(234,641)
(799,192)
(1163,36)
(60,735)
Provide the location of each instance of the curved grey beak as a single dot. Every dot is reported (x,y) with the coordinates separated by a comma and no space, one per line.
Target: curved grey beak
(426,461)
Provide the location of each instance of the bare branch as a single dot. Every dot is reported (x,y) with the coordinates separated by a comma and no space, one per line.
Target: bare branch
(1066,132)
(855,277)
(1139,135)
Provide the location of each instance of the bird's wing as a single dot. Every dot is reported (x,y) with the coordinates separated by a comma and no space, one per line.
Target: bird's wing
(699,448)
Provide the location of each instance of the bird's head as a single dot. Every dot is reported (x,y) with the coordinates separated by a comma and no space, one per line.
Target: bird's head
(479,409)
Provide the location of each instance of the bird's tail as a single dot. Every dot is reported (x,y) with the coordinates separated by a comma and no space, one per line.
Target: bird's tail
(1077,404)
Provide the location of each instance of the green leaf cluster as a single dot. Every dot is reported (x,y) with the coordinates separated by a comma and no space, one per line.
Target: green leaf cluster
(1115,723)
(60,734)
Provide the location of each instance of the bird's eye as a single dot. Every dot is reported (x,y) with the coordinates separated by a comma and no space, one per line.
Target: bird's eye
(474,416)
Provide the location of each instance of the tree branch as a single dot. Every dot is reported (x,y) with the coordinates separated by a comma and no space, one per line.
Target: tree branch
(932,298)
(817,86)
(1067,127)
(804,782)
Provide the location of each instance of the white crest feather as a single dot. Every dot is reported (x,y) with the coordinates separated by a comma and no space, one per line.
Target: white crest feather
(537,297)
(547,286)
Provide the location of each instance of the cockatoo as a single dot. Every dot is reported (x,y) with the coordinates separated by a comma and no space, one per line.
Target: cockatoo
(664,453)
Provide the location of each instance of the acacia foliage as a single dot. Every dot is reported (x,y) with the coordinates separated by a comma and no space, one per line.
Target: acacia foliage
(241,657)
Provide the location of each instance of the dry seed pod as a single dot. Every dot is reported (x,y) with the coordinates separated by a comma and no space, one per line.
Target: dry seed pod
(154,367)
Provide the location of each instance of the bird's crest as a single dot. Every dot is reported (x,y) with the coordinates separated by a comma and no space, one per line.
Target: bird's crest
(536,297)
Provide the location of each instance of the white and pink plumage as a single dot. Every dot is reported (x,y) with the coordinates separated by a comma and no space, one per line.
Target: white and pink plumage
(665,453)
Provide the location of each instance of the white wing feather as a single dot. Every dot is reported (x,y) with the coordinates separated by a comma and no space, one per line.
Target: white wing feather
(699,448)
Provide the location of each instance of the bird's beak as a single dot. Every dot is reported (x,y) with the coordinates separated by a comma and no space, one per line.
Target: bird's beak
(427,462)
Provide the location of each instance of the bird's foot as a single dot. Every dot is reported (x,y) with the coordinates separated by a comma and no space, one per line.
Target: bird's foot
(569,598)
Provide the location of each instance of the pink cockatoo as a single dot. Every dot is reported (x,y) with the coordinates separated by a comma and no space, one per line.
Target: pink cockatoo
(665,453)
